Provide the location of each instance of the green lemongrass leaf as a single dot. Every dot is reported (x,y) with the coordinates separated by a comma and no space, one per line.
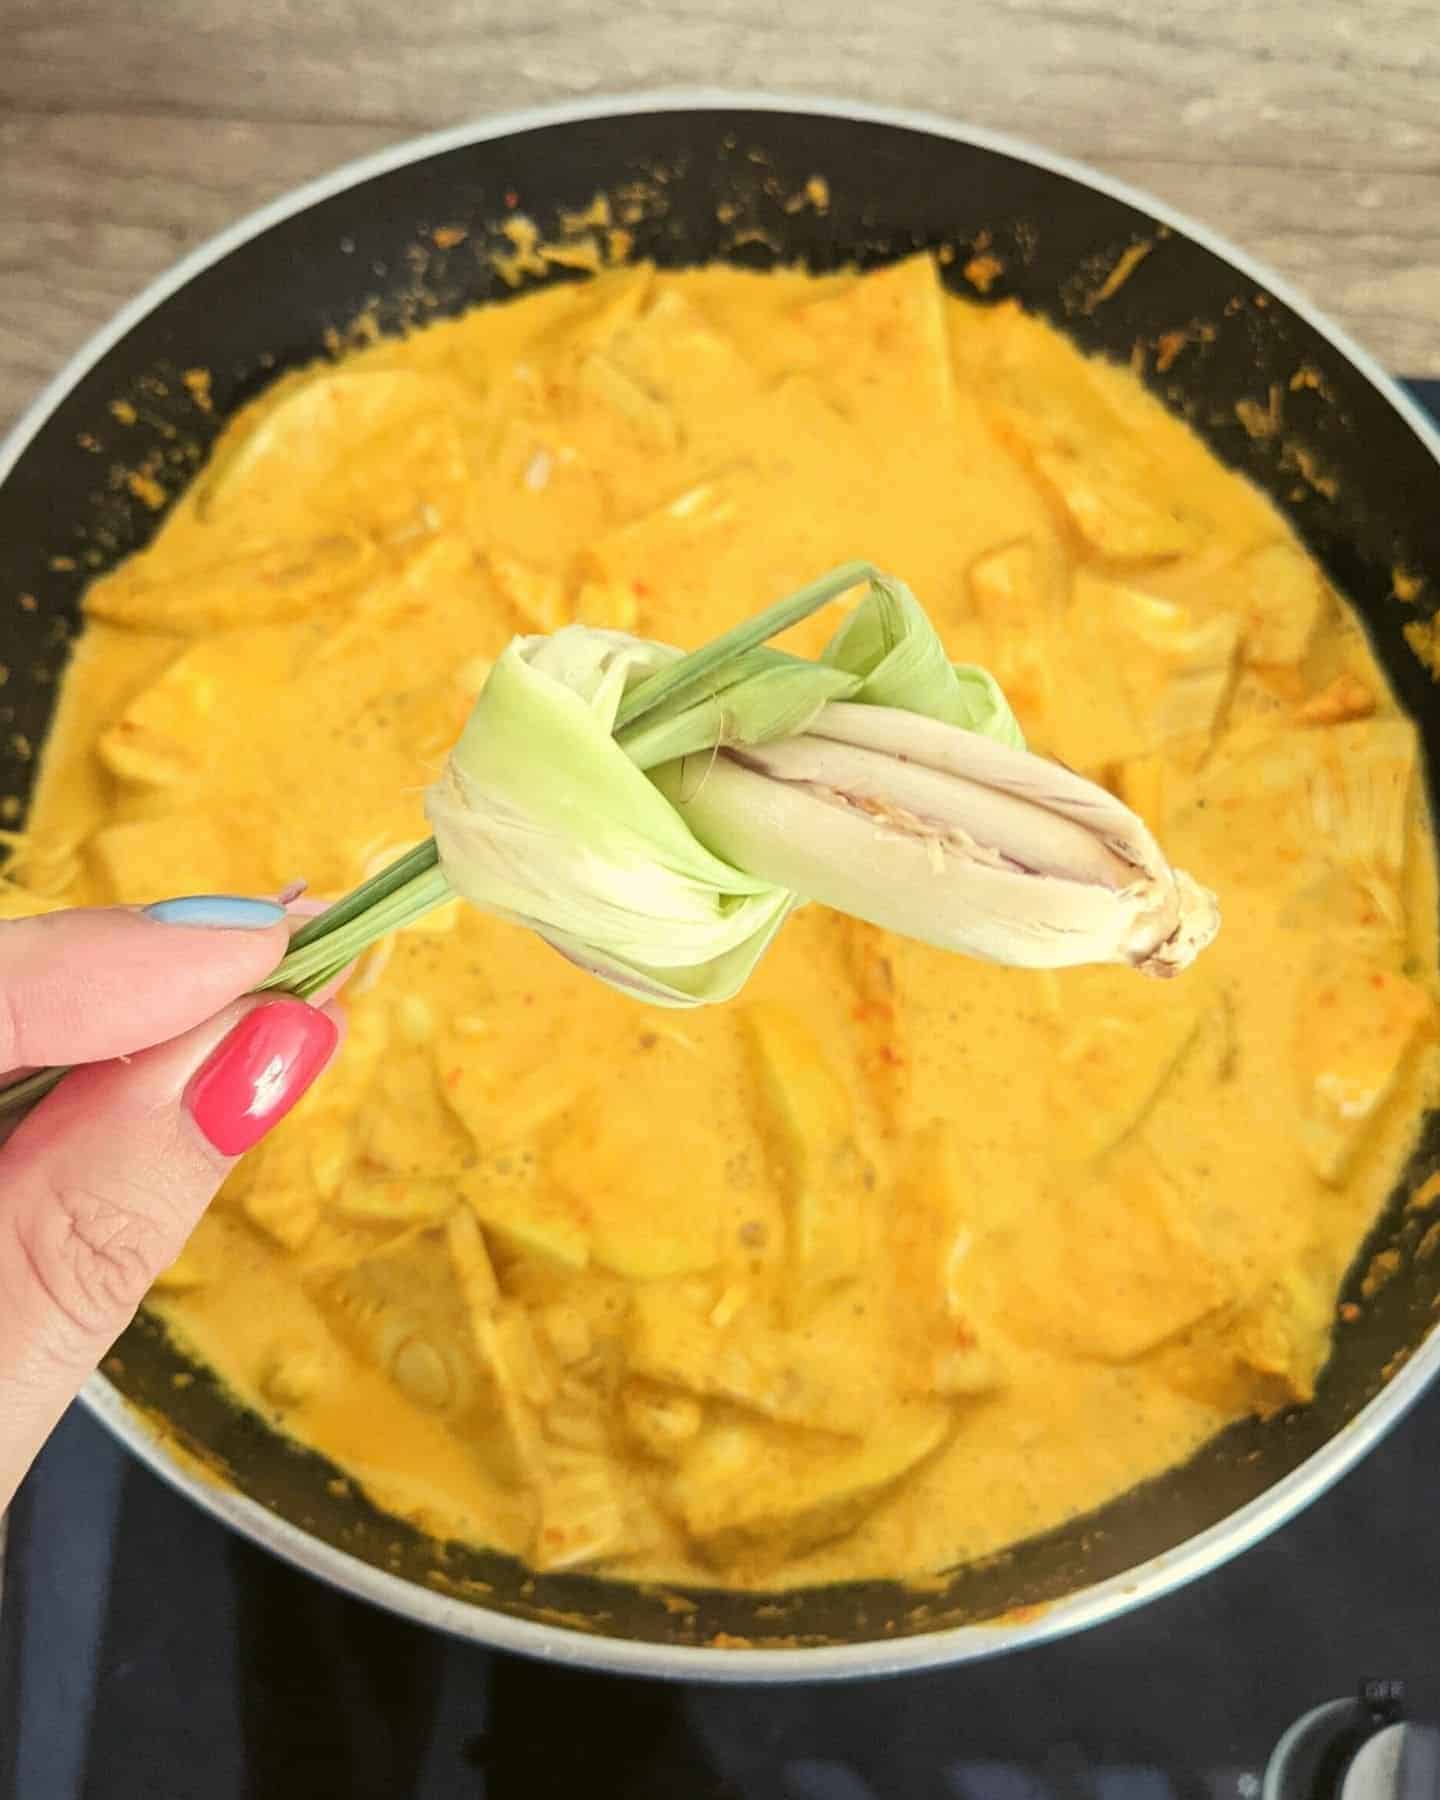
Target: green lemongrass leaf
(597,664)
(692,673)
(308,967)
(20,1096)
(889,642)
(358,902)
(719,979)
(543,819)
(670,681)
(764,694)
(578,706)
(529,738)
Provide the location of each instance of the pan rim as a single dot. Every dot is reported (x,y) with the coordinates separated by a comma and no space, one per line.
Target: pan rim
(1163,1574)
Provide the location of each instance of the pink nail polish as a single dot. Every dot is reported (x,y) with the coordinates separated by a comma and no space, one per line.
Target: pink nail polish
(257,1074)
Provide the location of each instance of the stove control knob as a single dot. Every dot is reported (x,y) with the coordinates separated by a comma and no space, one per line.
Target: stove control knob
(1361,1749)
(1400,1762)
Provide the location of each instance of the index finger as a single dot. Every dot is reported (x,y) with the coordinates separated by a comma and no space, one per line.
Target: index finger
(102,982)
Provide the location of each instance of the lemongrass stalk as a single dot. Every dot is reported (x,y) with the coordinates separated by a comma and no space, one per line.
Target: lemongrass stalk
(414,884)
(950,838)
(313,964)
(880,780)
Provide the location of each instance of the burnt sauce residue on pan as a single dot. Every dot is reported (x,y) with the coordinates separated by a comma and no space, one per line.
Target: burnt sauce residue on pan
(1291,447)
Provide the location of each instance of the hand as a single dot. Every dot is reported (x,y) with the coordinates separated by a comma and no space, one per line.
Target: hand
(181,1069)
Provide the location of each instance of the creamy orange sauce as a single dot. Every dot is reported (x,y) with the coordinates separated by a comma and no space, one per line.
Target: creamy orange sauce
(900,1258)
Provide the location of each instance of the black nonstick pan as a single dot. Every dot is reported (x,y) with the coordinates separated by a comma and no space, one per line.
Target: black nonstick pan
(1340,449)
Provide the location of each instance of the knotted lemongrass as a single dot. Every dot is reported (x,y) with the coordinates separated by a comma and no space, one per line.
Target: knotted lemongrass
(656,816)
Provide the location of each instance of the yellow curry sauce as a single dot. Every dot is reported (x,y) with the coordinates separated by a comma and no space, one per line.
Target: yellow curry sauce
(899,1258)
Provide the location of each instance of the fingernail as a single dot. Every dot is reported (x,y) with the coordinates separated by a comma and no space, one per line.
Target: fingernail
(219,912)
(258,1073)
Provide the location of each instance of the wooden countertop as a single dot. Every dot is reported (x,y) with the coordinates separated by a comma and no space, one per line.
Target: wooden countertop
(1308,133)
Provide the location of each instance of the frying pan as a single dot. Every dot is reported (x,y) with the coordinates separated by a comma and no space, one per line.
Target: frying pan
(1276,391)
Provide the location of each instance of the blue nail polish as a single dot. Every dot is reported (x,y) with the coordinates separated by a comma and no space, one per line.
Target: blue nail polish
(218,912)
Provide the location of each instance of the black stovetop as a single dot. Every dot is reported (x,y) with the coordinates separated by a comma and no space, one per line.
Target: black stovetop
(148,1654)
(156,1656)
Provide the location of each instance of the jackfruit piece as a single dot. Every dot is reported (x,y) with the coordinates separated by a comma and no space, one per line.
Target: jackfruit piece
(1280,598)
(575,1419)
(401,1310)
(474,1271)
(280,1197)
(350,1079)
(1108,498)
(1112,1063)
(660,1419)
(1338,905)
(160,739)
(931,1223)
(295,1369)
(1346,697)
(1163,682)
(607,604)
(597,310)
(642,1220)
(582,1515)
(884,336)
(603,384)
(625,558)
(812,1137)
(505,1344)
(499,1101)
(408,1130)
(675,354)
(567,1331)
(509,1195)
(320,1140)
(802,1377)
(176,853)
(1005,586)
(1183,701)
(287,1214)
(1362,790)
(308,456)
(1356,1024)
(756,1489)
(806,422)
(389,1200)
(1341,798)
(1041,399)
(963,1369)
(146,758)
(1109,1266)
(251,587)
(537,597)
(1284,1337)
(1262,1355)
(867,957)
(1011,599)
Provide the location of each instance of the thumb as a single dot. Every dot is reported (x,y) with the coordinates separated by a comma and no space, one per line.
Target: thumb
(103,1182)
